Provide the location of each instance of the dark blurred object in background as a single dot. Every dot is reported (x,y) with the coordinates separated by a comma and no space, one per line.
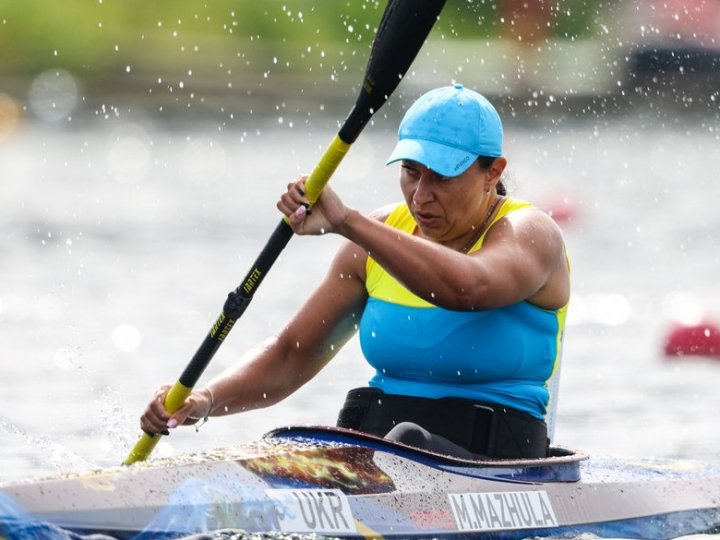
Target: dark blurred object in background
(675,52)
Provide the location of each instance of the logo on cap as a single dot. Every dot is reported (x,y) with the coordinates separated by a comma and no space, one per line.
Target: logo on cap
(462,162)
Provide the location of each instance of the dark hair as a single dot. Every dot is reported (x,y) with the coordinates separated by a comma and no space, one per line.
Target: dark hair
(485,162)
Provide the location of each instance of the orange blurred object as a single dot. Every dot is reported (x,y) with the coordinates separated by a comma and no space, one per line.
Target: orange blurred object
(9,115)
(528,21)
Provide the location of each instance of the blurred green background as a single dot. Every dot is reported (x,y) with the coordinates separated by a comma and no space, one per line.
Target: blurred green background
(94,36)
(189,58)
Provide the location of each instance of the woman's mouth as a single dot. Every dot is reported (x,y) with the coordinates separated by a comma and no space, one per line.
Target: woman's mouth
(423,218)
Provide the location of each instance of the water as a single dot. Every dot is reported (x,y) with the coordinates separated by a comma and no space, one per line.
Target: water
(120,242)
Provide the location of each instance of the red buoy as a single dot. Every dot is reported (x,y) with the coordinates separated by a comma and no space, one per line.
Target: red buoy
(702,339)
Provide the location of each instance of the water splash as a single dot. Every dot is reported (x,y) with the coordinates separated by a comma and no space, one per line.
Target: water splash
(56,456)
(17,524)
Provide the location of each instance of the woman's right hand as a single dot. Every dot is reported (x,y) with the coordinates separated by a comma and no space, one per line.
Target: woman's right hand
(157,419)
(326,215)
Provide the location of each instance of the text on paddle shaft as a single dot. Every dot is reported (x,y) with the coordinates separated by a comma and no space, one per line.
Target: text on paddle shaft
(251,280)
(502,510)
(222,327)
(312,510)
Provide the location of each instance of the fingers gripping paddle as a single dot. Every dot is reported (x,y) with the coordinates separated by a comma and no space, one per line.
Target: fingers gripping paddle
(403,28)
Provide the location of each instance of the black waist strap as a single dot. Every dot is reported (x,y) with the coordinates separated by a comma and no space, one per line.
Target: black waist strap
(485,429)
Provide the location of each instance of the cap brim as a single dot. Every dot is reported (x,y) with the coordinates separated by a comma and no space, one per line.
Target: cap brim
(444,160)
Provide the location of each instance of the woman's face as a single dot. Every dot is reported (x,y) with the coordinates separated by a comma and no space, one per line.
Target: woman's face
(445,208)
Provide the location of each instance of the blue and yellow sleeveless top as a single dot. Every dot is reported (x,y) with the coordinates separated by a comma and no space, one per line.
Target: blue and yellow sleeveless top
(505,355)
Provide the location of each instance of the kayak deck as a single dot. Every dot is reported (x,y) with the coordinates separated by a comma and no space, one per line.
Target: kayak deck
(342,483)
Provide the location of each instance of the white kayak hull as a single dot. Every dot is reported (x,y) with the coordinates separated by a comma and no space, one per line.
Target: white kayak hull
(337,482)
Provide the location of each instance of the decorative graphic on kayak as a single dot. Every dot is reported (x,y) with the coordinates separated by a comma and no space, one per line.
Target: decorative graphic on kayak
(505,510)
(202,504)
(348,468)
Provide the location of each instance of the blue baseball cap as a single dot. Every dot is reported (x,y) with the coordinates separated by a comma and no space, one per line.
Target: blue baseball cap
(446,130)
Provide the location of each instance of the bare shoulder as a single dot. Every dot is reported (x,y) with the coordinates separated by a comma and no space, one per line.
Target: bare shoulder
(349,262)
(530,227)
(529,245)
(351,259)
(382,213)
(532,219)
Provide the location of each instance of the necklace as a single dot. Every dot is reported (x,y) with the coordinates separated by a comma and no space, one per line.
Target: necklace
(481,228)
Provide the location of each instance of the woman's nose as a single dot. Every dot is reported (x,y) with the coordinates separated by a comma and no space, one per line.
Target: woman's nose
(423,190)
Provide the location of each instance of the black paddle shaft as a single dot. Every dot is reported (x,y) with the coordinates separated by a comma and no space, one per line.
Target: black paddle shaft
(236,304)
(404,26)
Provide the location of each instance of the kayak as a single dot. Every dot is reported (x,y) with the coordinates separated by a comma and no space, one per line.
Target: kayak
(342,483)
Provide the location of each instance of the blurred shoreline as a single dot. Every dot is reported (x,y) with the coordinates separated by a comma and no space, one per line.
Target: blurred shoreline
(232,64)
(587,81)
(212,104)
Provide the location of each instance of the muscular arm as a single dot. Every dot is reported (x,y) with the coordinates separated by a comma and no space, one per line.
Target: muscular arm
(522,256)
(281,365)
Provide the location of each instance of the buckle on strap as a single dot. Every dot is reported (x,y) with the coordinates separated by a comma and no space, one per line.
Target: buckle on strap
(484,429)
(500,431)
